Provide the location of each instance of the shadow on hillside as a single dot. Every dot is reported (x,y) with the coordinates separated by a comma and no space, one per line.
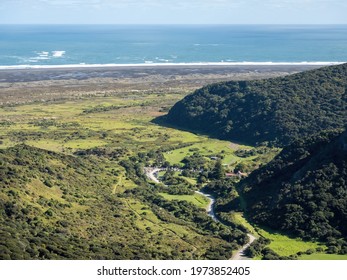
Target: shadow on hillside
(162,121)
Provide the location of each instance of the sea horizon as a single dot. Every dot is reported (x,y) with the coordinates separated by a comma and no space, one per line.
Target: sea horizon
(26,46)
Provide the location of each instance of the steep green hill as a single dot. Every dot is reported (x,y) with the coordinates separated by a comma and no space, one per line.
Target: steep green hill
(274,110)
(303,191)
(56,206)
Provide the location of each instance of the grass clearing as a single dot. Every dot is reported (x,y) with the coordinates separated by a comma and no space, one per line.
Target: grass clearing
(192,181)
(209,148)
(286,246)
(238,218)
(47,144)
(282,244)
(85,144)
(197,199)
(148,221)
(42,190)
(320,256)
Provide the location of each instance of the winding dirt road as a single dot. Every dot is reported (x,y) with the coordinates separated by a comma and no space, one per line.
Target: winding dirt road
(240,254)
(150,173)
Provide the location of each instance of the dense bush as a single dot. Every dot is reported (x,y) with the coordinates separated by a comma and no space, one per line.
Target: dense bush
(303,191)
(274,110)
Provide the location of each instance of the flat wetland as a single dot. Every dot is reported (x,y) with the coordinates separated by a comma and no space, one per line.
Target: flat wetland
(73,110)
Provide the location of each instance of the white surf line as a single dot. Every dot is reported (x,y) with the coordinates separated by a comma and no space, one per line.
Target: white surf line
(108,65)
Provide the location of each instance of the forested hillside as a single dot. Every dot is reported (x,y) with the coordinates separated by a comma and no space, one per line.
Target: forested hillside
(56,206)
(303,191)
(276,110)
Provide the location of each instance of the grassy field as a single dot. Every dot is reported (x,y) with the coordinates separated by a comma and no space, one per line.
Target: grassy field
(238,218)
(209,148)
(197,199)
(286,246)
(317,256)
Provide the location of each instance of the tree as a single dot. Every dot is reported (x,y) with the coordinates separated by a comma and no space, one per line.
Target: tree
(218,171)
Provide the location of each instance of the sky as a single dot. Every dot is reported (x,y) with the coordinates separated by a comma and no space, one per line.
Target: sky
(173,11)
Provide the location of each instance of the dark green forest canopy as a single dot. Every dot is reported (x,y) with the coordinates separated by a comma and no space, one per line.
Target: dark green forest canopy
(276,110)
(303,191)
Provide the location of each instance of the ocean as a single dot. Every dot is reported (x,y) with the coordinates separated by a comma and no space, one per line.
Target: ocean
(25,46)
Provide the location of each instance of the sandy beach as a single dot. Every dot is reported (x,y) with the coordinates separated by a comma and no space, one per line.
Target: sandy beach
(18,86)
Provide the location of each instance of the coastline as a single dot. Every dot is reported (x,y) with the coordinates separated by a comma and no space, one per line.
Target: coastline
(178,64)
(19,86)
(83,72)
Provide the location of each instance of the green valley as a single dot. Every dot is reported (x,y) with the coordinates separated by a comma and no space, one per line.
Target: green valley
(74,181)
(73,186)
